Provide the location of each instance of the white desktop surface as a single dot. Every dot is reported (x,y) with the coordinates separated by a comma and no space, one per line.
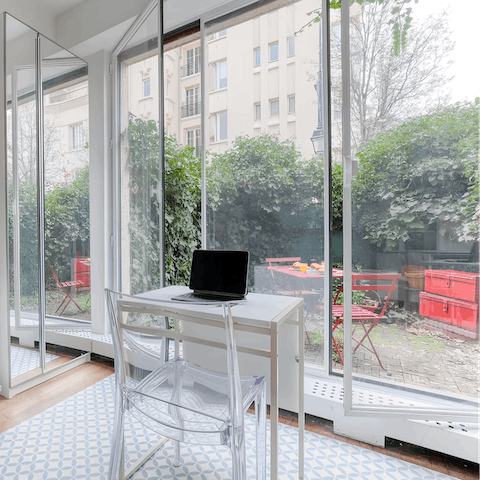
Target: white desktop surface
(256,309)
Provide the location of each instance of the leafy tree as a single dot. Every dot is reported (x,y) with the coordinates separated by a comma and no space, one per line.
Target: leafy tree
(263,197)
(400,22)
(386,83)
(422,172)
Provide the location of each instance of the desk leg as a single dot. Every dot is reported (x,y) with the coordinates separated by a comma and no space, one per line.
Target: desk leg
(274,402)
(301,396)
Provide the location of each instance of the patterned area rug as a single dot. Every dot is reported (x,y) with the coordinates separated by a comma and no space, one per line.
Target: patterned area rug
(72,441)
(26,359)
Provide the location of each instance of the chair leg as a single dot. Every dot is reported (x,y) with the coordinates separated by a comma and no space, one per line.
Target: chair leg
(116,466)
(239,468)
(261,431)
(175,411)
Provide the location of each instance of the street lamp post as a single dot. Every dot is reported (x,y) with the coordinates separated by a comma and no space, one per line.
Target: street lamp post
(318,136)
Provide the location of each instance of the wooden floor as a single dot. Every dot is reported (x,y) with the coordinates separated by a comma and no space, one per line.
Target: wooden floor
(34,401)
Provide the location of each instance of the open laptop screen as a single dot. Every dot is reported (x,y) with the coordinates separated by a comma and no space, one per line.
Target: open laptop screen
(219,271)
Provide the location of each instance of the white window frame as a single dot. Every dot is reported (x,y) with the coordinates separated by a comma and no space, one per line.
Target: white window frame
(271,102)
(290,46)
(255,51)
(290,110)
(270,52)
(193,61)
(218,126)
(218,74)
(194,139)
(76,136)
(220,34)
(146,82)
(257,111)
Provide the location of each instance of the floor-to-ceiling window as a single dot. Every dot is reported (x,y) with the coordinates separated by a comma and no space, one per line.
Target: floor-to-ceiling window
(264,176)
(264,155)
(414,195)
(149,187)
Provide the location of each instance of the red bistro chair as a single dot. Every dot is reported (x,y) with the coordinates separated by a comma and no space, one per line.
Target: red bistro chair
(65,287)
(362,314)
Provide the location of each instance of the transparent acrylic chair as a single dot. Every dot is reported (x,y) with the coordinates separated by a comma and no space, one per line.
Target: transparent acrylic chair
(175,398)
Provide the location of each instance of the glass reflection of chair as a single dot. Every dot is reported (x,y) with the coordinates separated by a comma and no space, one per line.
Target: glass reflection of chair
(177,399)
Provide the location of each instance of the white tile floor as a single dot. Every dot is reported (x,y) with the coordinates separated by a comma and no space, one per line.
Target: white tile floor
(72,441)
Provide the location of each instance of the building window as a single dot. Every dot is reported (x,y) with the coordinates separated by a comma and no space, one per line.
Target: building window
(192,102)
(194,140)
(221,130)
(256,57)
(146,88)
(273,52)
(274,108)
(76,136)
(291,104)
(257,111)
(193,61)
(221,33)
(221,75)
(291,46)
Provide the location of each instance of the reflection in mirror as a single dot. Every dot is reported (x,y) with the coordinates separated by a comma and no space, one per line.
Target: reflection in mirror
(23,190)
(66,190)
(59,196)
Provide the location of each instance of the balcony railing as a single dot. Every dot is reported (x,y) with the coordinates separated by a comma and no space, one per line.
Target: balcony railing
(190,69)
(190,109)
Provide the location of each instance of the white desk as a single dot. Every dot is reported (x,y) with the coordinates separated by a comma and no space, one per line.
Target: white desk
(261,315)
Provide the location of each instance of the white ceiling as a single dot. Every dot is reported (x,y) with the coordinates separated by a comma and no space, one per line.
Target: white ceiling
(57,7)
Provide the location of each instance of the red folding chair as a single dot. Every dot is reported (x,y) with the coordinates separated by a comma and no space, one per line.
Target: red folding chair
(64,287)
(363,314)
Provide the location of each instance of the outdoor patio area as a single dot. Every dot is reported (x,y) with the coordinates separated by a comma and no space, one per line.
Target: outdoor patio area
(411,351)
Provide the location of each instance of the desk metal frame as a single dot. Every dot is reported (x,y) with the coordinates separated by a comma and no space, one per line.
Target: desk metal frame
(292,314)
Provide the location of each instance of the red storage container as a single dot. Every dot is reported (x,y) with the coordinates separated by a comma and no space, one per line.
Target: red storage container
(449,310)
(452,284)
(82,271)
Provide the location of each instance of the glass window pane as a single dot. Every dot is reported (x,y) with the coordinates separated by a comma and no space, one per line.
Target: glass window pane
(274,108)
(273,52)
(264,181)
(140,166)
(291,104)
(256,57)
(139,163)
(415,196)
(257,111)
(291,46)
(221,74)
(146,88)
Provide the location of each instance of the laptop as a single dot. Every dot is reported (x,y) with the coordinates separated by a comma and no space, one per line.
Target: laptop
(217,276)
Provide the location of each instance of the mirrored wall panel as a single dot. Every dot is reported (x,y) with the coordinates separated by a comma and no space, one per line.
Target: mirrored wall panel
(48,202)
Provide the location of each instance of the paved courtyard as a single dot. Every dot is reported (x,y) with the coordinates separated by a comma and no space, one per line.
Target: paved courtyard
(411,353)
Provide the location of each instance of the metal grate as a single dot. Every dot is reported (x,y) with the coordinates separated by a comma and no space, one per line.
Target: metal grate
(332,391)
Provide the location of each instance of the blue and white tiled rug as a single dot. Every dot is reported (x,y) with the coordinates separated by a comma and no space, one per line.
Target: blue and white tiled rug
(72,441)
